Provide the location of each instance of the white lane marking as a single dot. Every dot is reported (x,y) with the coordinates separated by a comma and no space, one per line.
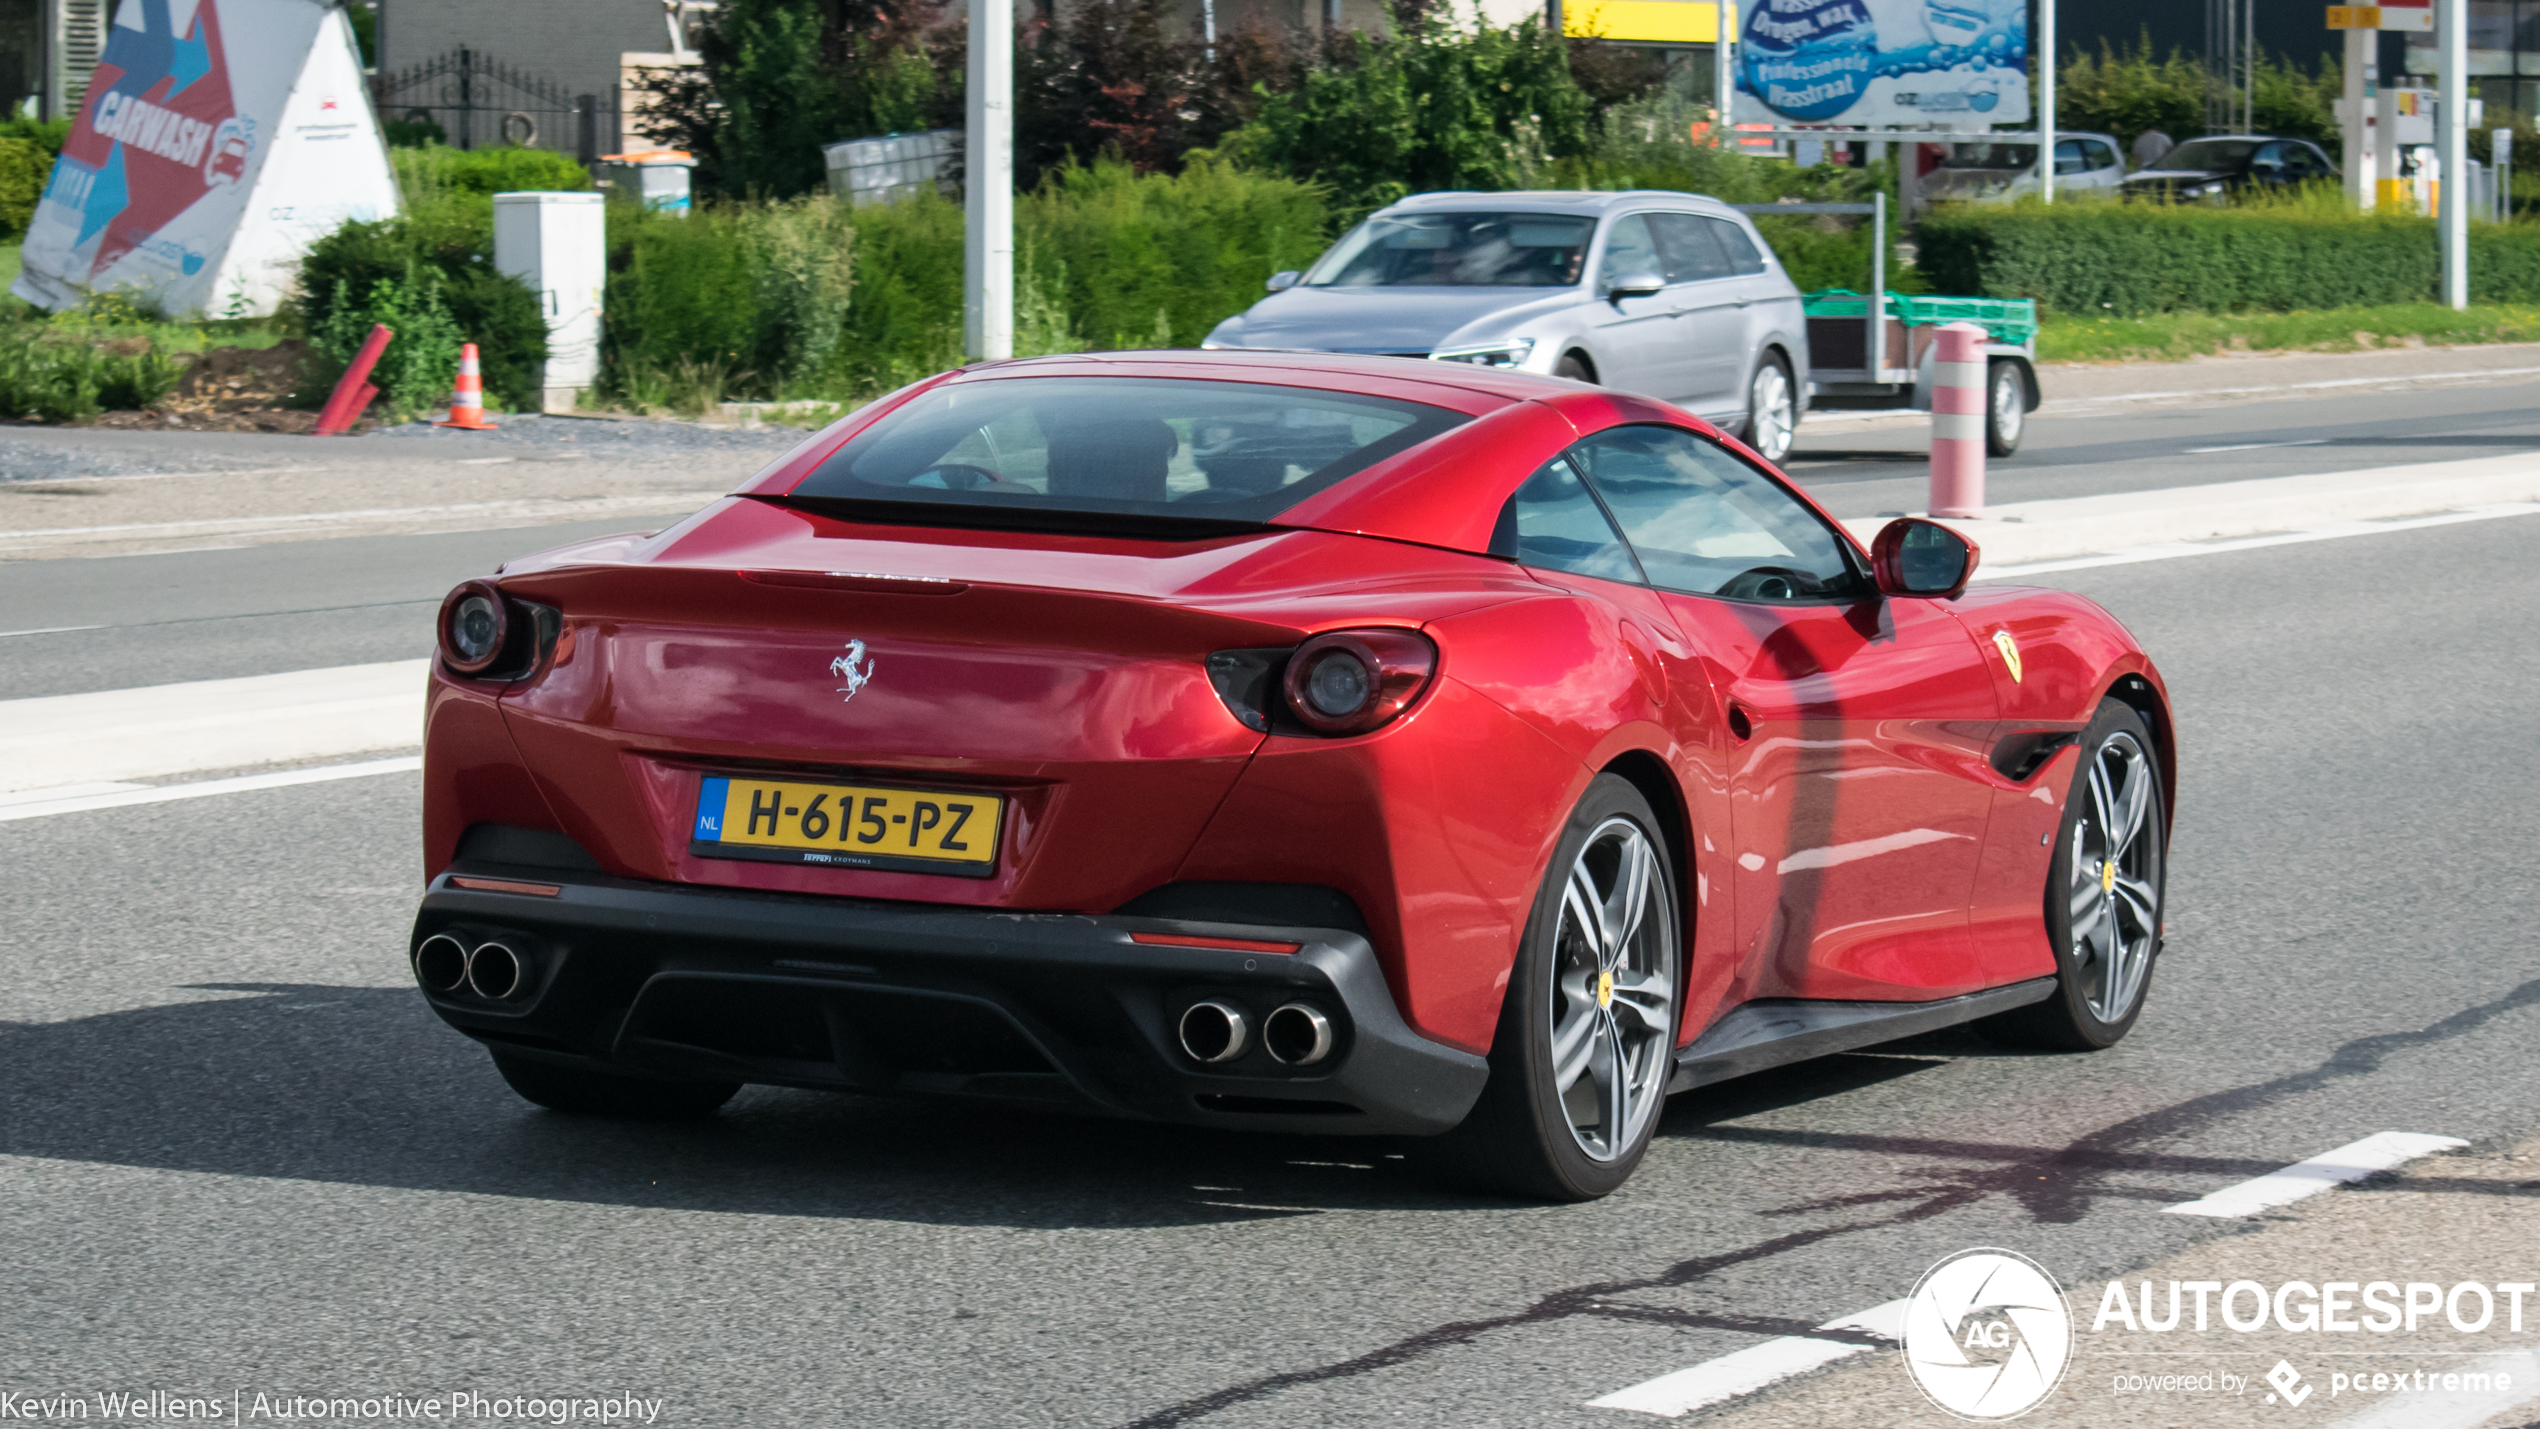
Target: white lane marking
(2258,446)
(60,792)
(2311,386)
(1834,854)
(49,630)
(163,793)
(1756,1367)
(2381,1151)
(2172,550)
(609,504)
(162,730)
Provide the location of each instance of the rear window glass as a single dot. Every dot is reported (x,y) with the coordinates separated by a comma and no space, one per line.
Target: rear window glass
(1130,446)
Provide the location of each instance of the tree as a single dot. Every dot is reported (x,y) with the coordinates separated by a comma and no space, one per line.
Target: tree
(777,79)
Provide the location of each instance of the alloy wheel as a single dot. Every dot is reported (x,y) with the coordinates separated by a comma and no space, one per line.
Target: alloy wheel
(2115,890)
(1770,418)
(2010,407)
(1614,986)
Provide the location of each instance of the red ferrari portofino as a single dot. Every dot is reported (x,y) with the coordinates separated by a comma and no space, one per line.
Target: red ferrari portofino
(1287,741)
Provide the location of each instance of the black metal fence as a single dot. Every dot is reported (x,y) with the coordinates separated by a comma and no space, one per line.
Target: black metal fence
(477,99)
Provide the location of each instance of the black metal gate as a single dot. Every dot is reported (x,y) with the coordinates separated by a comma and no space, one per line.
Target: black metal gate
(477,99)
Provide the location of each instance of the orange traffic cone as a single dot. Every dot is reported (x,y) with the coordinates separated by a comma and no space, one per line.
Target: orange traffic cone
(467,404)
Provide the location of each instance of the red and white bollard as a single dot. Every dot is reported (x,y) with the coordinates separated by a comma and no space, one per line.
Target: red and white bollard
(467,404)
(1957,421)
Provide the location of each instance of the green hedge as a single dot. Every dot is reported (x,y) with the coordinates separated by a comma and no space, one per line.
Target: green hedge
(763,300)
(2131,260)
(24,170)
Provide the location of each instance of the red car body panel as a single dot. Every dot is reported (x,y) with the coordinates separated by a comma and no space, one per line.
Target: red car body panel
(1826,768)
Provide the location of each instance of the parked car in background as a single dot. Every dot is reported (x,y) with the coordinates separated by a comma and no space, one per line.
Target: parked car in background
(2215,168)
(1997,173)
(1669,295)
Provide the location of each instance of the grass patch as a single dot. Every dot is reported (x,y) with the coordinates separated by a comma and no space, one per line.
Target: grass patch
(2179,336)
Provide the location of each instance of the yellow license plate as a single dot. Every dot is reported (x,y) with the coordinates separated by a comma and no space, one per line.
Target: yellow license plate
(848,825)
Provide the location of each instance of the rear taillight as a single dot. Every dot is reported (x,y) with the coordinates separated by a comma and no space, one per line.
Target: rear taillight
(1352,681)
(487,635)
(473,624)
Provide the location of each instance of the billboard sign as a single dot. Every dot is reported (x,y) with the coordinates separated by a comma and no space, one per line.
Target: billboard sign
(1912,64)
(217,139)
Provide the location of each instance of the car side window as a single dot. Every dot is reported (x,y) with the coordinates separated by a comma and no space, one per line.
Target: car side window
(2268,162)
(1691,253)
(2101,155)
(1554,523)
(2068,157)
(1629,250)
(1704,522)
(1744,256)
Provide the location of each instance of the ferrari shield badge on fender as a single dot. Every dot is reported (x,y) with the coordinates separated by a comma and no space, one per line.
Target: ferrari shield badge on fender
(2002,641)
(857,667)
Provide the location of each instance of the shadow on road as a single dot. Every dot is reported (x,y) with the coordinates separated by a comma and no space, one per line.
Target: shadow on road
(364,1086)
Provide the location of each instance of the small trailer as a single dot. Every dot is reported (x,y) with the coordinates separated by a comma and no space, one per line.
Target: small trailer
(1873,352)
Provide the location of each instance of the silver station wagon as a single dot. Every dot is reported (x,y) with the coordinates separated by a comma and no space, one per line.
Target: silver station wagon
(1665,294)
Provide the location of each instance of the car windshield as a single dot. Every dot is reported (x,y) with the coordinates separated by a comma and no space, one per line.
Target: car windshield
(1458,250)
(1991,156)
(2208,154)
(1122,447)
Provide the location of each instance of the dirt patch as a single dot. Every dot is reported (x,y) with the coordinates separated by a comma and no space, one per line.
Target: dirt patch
(230,389)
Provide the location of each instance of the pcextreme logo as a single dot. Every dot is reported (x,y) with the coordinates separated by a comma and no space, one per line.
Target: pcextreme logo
(1987,1336)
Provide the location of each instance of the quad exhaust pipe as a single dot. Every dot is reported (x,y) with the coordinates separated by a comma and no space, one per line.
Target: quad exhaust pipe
(1296,1034)
(492,970)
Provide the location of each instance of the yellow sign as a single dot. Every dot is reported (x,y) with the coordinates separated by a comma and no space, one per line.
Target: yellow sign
(2354,17)
(1694,22)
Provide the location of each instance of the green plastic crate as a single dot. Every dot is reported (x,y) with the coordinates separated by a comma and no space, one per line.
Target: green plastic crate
(2008,320)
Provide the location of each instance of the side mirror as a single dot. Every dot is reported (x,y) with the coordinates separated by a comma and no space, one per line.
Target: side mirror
(1634,285)
(1916,557)
(1281,282)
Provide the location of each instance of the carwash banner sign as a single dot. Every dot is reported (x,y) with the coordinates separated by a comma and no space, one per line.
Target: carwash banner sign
(1951,64)
(217,139)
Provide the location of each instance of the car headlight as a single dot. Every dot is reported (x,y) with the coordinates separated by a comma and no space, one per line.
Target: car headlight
(1510,353)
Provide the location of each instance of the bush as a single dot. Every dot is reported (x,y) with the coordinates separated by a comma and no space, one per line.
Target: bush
(1157,261)
(60,373)
(2124,92)
(415,373)
(2128,260)
(24,170)
(412,133)
(430,175)
(750,299)
(452,241)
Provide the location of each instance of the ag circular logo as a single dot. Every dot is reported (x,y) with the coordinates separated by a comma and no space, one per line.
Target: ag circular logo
(1987,1336)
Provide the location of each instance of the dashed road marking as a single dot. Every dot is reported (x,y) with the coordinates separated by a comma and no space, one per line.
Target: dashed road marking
(2258,446)
(2381,1151)
(1732,1376)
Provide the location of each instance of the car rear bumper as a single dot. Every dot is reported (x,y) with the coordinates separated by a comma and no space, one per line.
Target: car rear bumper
(1060,1009)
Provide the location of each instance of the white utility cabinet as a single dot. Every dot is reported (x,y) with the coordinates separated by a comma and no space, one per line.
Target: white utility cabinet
(557,243)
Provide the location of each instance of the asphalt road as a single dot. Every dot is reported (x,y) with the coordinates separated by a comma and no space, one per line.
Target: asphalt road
(237,1153)
(2111,447)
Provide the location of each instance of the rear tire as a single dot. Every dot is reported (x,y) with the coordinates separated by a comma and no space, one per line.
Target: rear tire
(1592,999)
(580,1093)
(2104,922)
(2005,408)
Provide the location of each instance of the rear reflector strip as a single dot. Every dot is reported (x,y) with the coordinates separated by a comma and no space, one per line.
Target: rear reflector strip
(1193,940)
(505,885)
